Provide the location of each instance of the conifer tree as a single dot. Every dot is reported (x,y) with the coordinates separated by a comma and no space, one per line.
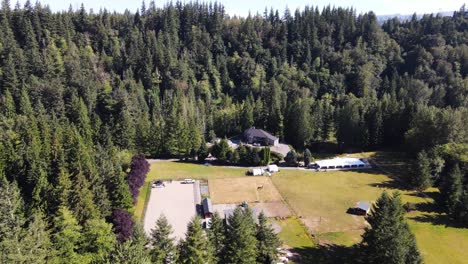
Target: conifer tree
(11,220)
(422,178)
(194,248)
(67,238)
(307,157)
(217,236)
(36,242)
(132,251)
(98,239)
(241,243)
(247,119)
(389,239)
(163,245)
(452,190)
(267,241)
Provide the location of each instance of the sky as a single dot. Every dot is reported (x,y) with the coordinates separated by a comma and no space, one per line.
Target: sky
(242,7)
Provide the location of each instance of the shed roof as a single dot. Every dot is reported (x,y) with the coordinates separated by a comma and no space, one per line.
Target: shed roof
(363,206)
(207,206)
(259,133)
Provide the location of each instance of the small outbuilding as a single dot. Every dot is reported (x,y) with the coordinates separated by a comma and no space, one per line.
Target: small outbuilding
(272,168)
(207,208)
(361,208)
(256,172)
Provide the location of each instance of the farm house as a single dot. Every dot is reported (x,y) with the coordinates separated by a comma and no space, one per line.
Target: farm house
(341,164)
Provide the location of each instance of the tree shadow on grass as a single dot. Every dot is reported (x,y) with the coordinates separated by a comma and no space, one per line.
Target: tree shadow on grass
(440,219)
(431,195)
(428,208)
(391,184)
(326,254)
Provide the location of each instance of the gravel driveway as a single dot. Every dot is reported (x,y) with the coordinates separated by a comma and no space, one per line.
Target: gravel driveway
(177,202)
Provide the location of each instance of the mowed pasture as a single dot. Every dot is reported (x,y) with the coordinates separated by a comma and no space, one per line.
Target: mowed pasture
(322,198)
(249,189)
(173,170)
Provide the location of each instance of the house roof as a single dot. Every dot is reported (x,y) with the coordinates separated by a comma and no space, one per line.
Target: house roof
(365,206)
(259,133)
(207,206)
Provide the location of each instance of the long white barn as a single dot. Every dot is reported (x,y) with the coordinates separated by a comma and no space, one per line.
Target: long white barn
(342,164)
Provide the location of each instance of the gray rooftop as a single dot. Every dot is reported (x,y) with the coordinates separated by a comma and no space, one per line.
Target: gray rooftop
(258,133)
(207,206)
(363,205)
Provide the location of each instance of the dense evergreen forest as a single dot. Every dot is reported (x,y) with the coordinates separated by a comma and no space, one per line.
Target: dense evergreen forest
(81,92)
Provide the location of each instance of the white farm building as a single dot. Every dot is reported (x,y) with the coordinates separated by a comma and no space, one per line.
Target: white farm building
(341,164)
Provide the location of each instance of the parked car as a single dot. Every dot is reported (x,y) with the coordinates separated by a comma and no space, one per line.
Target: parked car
(188,181)
(158,184)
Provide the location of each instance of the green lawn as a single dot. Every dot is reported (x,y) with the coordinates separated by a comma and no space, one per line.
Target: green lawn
(438,242)
(294,234)
(323,197)
(179,170)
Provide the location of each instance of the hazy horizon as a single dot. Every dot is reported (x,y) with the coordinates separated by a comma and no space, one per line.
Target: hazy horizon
(243,7)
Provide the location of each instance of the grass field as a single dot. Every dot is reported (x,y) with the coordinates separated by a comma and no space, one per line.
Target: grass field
(295,235)
(237,190)
(322,199)
(178,170)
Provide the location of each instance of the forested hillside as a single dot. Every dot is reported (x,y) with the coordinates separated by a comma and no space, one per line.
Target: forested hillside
(80,92)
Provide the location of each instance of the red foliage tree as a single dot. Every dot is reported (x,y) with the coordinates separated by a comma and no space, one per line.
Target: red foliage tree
(123,224)
(136,177)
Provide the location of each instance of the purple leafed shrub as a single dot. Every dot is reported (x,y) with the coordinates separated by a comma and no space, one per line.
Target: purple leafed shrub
(123,224)
(136,177)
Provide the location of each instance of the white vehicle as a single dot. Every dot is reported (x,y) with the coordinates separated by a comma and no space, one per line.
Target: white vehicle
(188,181)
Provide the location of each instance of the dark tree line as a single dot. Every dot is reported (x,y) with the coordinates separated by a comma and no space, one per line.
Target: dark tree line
(240,238)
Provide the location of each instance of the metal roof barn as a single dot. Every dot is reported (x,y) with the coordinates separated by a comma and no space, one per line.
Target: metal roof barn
(342,163)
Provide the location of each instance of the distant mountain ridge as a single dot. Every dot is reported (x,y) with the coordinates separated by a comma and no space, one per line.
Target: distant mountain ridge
(383,18)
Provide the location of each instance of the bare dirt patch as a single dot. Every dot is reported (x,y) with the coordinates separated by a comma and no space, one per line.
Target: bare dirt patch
(248,189)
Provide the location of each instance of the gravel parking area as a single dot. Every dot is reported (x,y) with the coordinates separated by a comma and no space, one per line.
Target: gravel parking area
(177,202)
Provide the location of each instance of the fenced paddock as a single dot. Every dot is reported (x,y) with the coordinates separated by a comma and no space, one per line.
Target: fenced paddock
(176,201)
(245,189)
